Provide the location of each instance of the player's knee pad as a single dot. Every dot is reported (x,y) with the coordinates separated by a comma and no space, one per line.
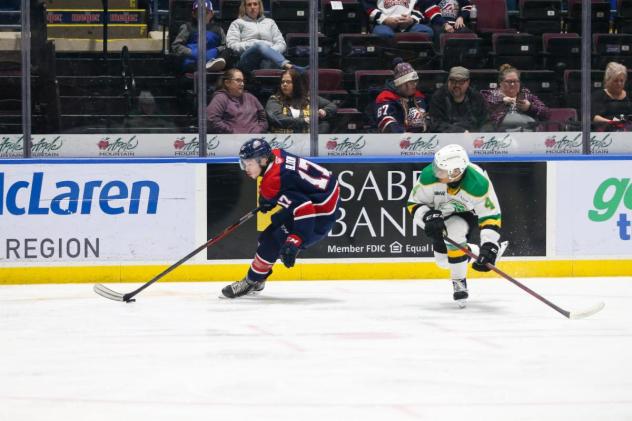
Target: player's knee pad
(441,259)
(457,229)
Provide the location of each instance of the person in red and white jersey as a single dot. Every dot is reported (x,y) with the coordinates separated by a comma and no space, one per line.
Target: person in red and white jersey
(388,17)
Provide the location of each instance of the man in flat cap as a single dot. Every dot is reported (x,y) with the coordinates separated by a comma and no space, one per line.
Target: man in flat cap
(457,108)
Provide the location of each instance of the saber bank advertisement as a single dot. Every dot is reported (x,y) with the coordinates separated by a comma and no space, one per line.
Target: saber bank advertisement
(594,208)
(373,220)
(95,212)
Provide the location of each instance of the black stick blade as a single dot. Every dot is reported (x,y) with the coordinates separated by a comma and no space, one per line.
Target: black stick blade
(108,293)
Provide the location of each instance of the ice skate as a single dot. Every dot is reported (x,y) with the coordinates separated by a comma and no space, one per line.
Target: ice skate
(258,287)
(460,292)
(240,288)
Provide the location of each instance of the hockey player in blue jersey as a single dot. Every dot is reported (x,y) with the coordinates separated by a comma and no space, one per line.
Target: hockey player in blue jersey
(308,195)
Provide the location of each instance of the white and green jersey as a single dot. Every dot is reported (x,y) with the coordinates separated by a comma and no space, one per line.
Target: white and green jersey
(475,193)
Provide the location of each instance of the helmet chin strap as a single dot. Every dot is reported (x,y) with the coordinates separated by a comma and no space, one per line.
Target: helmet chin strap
(454,184)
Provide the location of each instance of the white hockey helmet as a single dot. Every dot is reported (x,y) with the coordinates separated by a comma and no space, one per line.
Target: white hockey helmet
(450,162)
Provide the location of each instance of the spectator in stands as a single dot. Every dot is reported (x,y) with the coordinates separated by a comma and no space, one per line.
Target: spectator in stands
(388,17)
(232,110)
(611,107)
(511,107)
(148,117)
(401,107)
(257,39)
(456,107)
(288,109)
(185,44)
(448,16)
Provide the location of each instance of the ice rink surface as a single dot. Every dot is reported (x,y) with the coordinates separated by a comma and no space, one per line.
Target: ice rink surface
(339,350)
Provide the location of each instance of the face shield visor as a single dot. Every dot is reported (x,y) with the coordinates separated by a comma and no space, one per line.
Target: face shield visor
(250,163)
(445,173)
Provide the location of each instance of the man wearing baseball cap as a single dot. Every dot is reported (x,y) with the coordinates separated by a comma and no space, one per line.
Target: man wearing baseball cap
(456,107)
(185,44)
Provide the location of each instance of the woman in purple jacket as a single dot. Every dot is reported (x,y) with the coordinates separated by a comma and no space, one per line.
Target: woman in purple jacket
(232,109)
(512,107)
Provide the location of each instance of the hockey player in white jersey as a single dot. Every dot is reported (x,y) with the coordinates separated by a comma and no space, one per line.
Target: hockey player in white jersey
(451,197)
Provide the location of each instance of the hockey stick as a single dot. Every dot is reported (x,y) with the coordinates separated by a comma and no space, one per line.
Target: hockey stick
(117,296)
(568,314)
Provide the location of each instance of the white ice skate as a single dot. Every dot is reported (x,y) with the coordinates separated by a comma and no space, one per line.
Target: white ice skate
(460,292)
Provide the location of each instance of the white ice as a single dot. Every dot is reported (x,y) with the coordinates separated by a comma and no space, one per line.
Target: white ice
(339,350)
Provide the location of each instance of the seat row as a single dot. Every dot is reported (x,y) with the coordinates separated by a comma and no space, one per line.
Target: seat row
(546,84)
(522,50)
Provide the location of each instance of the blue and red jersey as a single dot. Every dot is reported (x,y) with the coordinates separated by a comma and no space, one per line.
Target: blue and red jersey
(397,114)
(305,189)
(437,12)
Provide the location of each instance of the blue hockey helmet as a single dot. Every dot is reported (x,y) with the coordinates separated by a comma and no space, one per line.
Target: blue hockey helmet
(255,148)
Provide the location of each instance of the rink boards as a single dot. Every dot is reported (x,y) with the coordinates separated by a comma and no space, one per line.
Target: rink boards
(116,220)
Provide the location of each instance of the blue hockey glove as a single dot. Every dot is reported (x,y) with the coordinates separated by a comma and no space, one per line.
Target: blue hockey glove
(290,249)
(488,254)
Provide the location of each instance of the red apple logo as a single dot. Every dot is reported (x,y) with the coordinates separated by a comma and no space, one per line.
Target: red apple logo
(179,144)
(404,144)
(331,144)
(479,142)
(550,142)
(103,144)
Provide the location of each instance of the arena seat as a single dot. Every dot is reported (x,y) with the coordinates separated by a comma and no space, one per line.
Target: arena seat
(540,16)
(298,49)
(544,84)
(415,48)
(360,52)
(600,16)
(350,19)
(461,49)
(492,17)
(562,119)
(348,120)
(519,50)
(572,86)
(368,84)
(484,79)
(561,51)
(623,20)
(612,47)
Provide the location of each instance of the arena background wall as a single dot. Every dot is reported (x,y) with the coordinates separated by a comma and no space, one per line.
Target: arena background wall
(124,220)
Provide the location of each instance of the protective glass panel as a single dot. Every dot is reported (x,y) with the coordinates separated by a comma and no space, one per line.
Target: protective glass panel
(611,108)
(11,145)
(105,83)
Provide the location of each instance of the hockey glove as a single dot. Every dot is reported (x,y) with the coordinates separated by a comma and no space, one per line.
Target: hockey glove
(488,254)
(434,226)
(290,249)
(266,205)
